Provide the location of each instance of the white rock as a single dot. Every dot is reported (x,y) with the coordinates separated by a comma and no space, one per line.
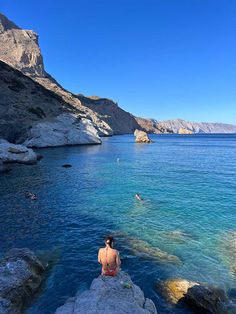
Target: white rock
(65,129)
(110,295)
(141,137)
(16,153)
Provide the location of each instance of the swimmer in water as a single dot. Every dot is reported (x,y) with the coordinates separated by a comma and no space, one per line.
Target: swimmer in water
(138,197)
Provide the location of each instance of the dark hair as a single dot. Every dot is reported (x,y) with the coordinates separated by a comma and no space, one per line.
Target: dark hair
(109,240)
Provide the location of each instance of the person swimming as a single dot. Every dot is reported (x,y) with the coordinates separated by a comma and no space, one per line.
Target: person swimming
(138,197)
(109,258)
(31,195)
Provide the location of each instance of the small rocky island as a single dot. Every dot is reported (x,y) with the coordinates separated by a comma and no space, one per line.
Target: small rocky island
(141,137)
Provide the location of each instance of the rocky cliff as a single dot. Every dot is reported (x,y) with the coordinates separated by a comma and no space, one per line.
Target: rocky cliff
(20,49)
(184,127)
(196,127)
(26,105)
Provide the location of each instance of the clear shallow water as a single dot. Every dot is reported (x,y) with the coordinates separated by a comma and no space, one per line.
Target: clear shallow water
(187,182)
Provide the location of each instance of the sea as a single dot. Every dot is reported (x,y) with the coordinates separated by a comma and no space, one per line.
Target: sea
(185,226)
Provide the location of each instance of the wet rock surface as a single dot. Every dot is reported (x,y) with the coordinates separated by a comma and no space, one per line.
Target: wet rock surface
(21,274)
(201,297)
(110,295)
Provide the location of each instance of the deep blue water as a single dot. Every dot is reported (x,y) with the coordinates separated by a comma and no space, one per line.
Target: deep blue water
(188,185)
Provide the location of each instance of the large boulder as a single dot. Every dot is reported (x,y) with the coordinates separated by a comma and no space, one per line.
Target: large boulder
(10,153)
(65,129)
(21,274)
(141,137)
(199,296)
(110,295)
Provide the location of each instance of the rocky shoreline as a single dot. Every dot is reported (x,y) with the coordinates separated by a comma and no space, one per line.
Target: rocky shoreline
(22,273)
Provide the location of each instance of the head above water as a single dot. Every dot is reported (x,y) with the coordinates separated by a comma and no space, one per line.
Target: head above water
(109,240)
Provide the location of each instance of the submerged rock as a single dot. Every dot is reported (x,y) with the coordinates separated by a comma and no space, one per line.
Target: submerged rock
(66,166)
(178,236)
(144,249)
(228,246)
(199,296)
(110,295)
(3,168)
(10,153)
(65,129)
(141,137)
(20,276)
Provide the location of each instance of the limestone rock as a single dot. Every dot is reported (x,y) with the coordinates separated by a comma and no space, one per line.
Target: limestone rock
(10,153)
(20,277)
(20,49)
(201,296)
(65,129)
(110,295)
(141,137)
(149,125)
(185,131)
(196,127)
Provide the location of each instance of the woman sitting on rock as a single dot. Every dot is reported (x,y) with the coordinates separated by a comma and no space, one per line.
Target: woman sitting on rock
(109,258)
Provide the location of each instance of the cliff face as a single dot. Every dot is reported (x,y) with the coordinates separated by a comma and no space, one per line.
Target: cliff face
(20,49)
(196,127)
(119,120)
(25,104)
(180,126)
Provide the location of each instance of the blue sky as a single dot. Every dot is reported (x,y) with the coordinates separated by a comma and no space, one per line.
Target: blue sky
(157,58)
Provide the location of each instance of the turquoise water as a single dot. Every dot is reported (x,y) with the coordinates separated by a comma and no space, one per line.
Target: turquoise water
(188,185)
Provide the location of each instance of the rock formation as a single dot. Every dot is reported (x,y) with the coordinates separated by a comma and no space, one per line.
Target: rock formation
(26,106)
(185,131)
(19,48)
(195,127)
(199,296)
(110,295)
(141,137)
(65,129)
(10,153)
(20,277)
(149,125)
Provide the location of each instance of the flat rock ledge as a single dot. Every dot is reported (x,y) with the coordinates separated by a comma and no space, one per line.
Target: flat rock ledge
(14,153)
(141,137)
(21,275)
(109,295)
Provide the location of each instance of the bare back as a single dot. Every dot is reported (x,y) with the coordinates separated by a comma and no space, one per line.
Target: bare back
(109,257)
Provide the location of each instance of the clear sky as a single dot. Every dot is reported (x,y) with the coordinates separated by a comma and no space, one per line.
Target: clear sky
(157,58)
